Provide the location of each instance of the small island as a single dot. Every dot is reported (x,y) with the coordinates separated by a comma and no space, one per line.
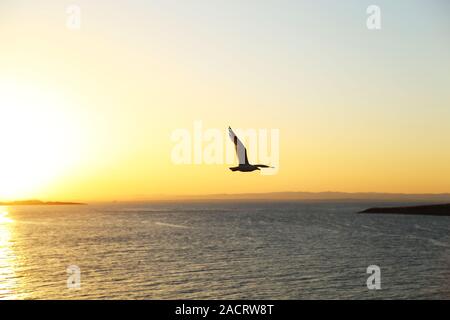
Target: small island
(429,210)
(39,203)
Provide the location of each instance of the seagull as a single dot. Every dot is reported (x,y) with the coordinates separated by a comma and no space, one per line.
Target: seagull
(241,151)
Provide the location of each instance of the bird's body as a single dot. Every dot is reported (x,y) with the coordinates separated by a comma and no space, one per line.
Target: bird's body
(245,168)
(244,165)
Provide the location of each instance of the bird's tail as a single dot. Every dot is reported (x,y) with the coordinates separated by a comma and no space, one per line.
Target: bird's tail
(264,166)
(234,168)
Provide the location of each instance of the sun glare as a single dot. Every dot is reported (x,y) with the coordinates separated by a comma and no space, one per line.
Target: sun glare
(36,139)
(4,217)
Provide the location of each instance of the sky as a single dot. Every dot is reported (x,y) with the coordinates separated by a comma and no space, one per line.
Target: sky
(88,114)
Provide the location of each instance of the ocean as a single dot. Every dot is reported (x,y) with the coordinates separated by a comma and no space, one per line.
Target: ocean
(221,250)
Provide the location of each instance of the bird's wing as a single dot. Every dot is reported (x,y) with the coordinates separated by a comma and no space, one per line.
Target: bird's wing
(239,146)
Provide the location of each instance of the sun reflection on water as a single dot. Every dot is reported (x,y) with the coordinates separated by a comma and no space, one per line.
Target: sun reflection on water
(4,217)
(8,283)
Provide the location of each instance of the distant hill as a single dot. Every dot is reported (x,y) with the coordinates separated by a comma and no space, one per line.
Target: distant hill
(38,203)
(310,196)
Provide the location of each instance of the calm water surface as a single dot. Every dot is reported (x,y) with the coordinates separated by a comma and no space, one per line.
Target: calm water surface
(221,251)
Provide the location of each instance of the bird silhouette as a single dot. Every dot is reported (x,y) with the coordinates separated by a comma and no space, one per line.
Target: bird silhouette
(241,151)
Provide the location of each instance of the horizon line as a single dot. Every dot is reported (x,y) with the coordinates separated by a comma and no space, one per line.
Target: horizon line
(273,195)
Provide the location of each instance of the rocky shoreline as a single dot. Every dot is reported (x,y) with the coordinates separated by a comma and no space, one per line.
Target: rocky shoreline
(430,210)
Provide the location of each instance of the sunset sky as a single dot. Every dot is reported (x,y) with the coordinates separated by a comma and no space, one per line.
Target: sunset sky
(88,114)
